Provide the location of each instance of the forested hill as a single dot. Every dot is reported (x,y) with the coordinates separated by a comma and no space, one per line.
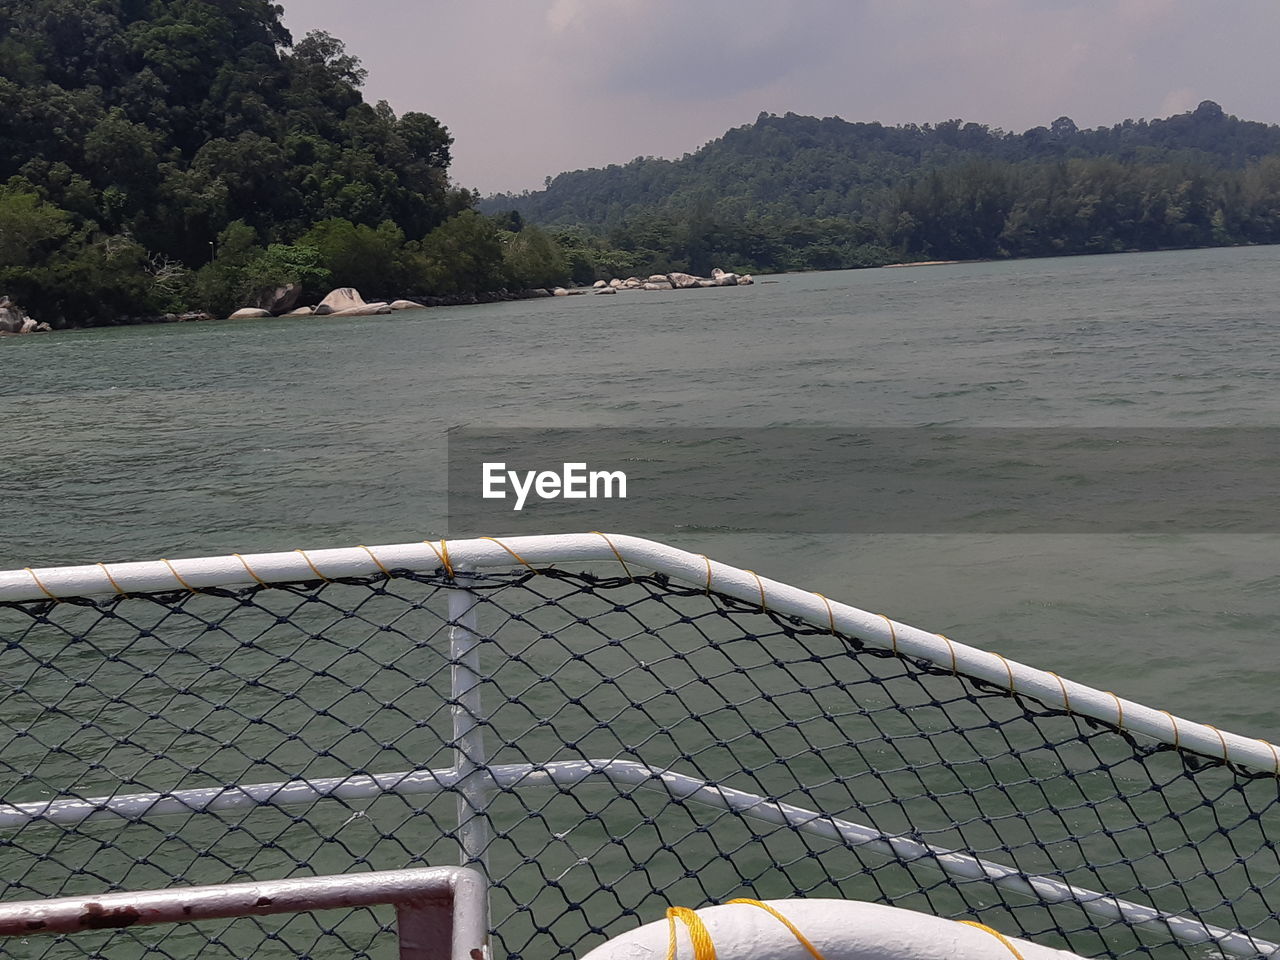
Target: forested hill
(825,192)
(160,155)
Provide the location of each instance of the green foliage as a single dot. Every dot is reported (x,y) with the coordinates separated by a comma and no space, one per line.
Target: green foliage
(532,259)
(164,124)
(794,192)
(354,255)
(28,225)
(460,255)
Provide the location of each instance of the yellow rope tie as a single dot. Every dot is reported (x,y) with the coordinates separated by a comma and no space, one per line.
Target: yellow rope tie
(1221,739)
(1066,700)
(625,568)
(249,570)
(1177,739)
(893,633)
(703,948)
(442,557)
(1119,710)
(804,941)
(43,588)
(178,576)
(760,583)
(314,568)
(995,933)
(951,648)
(1007,669)
(707,561)
(1274,753)
(518,558)
(376,560)
(115,586)
(831,615)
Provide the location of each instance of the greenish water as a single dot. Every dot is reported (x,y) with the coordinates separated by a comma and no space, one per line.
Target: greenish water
(202,439)
(207,439)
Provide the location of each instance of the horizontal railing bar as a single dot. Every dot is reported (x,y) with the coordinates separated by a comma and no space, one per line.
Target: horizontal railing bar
(563,774)
(638,554)
(436,906)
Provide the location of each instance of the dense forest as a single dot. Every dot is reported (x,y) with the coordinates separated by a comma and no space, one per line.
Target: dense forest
(161,155)
(158,156)
(796,192)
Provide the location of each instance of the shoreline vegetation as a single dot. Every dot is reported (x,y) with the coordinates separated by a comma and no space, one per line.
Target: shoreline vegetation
(177,161)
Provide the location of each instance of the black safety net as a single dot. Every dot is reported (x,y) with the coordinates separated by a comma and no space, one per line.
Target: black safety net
(603,746)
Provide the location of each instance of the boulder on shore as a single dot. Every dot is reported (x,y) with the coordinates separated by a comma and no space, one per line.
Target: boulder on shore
(559,292)
(746,280)
(364,310)
(12,318)
(250,313)
(682,281)
(600,283)
(344,298)
(707,283)
(615,283)
(279,300)
(727,280)
(301,312)
(405,305)
(664,284)
(607,290)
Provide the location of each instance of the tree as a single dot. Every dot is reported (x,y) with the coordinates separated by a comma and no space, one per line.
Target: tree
(28,225)
(462,254)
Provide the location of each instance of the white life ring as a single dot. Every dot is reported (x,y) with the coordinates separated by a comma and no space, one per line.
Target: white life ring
(837,929)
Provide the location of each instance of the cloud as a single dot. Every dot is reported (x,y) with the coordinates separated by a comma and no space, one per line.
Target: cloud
(534,88)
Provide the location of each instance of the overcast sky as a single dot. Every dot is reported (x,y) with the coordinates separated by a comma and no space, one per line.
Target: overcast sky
(535,87)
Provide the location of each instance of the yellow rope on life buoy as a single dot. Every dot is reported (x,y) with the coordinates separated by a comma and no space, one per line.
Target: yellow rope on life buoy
(795,932)
(703,948)
(995,933)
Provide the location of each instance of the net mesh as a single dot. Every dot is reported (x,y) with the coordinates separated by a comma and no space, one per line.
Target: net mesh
(165,692)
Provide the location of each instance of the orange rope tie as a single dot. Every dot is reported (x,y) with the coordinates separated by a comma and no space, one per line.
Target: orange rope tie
(178,576)
(831,615)
(43,588)
(248,569)
(1007,669)
(760,584)
(804,941)
(1066,700)
(1177,739)
(1119,710)
(703,948)
(442,557)
(619,556)
(375,560)
(314,568)
(114,585)
(519,559)
(1221,739)
(893,633)
(995,933)
(707,561)
(951,648)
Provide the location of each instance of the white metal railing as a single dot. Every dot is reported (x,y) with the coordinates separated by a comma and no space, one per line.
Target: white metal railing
(474,780)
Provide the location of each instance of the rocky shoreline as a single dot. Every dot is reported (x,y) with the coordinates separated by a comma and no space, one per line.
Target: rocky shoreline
(347,302)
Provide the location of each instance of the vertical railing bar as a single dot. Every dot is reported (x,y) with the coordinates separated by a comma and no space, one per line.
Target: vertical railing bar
(468,726)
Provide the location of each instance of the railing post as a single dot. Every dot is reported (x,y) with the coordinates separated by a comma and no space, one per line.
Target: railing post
(470,757)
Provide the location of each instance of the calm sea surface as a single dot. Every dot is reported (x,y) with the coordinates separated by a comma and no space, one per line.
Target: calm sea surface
(193,440)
